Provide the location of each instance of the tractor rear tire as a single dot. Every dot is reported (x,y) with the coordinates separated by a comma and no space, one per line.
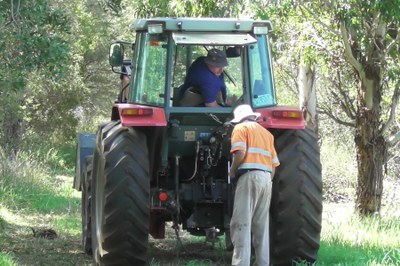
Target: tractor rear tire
(86,205)
(120,202)
(296,204)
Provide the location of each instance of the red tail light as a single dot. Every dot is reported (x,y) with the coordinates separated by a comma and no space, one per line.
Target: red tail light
(287,114)
(163,196)
(137,111)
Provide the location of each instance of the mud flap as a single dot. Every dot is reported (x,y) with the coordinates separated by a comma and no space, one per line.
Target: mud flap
(84,148)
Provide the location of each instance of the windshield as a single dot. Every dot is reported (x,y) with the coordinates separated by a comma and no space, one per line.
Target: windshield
(261,79)
(150,70)
(186,55)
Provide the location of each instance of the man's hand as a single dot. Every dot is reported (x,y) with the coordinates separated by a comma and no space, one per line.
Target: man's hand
(232,173)
(238,157)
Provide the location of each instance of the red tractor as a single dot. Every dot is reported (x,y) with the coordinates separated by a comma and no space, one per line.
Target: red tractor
(158,161)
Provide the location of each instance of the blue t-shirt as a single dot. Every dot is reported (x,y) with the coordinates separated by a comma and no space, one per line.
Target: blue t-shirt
(208,83)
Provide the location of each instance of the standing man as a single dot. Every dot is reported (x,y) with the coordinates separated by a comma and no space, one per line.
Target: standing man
(207,75)
(253,165)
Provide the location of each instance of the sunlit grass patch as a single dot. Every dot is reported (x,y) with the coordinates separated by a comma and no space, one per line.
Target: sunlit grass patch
(7,259)
(342,224)
(8,216)
(348,239)
(29,185)
(335,253)
(31,196)
(69,223)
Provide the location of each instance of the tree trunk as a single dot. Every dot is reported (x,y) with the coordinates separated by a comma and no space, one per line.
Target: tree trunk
(11,130)
(307,95)
(369,139)
(370,151)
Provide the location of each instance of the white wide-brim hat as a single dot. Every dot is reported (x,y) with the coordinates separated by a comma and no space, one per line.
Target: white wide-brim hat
(243,111)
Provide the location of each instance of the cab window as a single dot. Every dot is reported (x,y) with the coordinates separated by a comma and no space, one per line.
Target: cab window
(150,69)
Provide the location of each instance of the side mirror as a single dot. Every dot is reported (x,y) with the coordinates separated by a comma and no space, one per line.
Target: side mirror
(232,52)
(116,57)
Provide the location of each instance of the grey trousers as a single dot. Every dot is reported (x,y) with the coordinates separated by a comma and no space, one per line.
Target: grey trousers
(250,218)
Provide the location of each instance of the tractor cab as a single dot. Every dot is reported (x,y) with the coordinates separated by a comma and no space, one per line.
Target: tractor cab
(165,49)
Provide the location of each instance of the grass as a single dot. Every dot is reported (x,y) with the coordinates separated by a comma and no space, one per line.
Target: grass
(7,259)
(32,194)
(348,239)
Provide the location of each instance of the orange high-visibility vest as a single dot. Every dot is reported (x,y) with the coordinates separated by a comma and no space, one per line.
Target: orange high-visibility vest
(258,145)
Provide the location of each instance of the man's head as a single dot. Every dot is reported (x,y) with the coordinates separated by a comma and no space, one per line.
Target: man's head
(216,61)
(242,113)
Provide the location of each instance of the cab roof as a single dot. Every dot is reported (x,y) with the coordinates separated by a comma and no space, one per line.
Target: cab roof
(184,24)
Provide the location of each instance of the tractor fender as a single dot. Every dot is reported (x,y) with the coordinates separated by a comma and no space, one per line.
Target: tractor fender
(85,146)
(141,115)
(281,117)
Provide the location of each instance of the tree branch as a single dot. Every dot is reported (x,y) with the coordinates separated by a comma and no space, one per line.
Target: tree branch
(394,139)
(348,107)
(393,106)
(317,18)
(347,49)
(13,15)
(390,45)
(335,118)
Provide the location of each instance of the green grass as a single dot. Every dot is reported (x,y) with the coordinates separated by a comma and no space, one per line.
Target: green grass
(336,253)
(7,260)
(35,193)
(69,223)
(33,185)
(32,194)
(29,187)
(348,239)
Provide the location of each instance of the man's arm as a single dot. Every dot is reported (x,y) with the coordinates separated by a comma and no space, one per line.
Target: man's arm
(125,80)
(237,159)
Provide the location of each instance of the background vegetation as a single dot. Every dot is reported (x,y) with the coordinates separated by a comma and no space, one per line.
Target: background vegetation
(55,81)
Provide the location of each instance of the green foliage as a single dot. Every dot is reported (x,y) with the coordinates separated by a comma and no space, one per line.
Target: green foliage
(34,36)
(179,8)
(52,56)
(6,259)
(112,5)
(34,44)
(58,160)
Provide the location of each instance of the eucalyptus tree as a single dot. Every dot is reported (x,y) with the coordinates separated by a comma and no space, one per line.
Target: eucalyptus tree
(294,56)
(358,44)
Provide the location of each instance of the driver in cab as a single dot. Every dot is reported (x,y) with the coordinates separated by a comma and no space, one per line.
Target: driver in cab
(204,84)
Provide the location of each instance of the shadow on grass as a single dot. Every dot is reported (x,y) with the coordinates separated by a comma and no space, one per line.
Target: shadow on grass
(192,252)
(19,243)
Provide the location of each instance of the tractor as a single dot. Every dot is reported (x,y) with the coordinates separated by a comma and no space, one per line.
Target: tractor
(158,161)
